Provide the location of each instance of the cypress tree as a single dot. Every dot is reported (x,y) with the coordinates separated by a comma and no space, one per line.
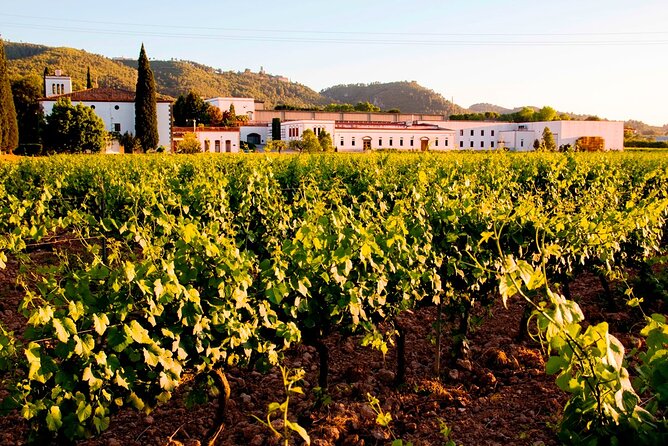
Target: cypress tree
(46,73)
(89,82)
(276,129)
(146,115)
(9,129)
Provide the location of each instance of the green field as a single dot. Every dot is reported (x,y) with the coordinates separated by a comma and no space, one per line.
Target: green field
(171,266)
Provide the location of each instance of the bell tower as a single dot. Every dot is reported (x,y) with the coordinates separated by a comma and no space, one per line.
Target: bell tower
(57,84)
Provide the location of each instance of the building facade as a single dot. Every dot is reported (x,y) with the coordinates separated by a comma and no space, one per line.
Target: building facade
(211,139)
(242,106)
(117,109)
(475,135)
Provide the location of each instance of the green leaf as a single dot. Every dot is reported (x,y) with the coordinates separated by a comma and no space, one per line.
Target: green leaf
(61,332)
(84,411)
(138,333)
(100,323)
(300,430)
(555,364)
(366,251)
(54,419)
(273,407)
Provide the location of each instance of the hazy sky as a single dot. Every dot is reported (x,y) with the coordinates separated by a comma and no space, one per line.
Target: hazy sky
(608,58)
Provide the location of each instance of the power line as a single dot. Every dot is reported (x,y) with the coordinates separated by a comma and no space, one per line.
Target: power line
(143,26)
(332,40)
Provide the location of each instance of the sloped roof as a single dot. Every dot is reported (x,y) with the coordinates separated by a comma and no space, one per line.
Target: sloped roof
(103,94)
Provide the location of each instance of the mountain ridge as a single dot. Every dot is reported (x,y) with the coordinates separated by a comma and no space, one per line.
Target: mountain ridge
(176,77)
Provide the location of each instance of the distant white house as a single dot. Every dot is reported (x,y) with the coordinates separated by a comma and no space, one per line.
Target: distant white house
(242,106)
(114,106)
(211,139)
(355,136)
(409,135)
(476,135)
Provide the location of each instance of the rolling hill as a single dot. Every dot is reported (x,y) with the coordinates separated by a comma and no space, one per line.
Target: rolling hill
(409,97)
(173,77)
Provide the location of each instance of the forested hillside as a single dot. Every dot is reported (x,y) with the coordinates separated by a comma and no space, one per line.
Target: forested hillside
(172,77)
(409,97)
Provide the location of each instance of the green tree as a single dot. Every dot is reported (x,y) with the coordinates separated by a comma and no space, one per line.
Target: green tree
(310,143)
(548,144)
(89,81)
(526,114)
(233,114)
(546,114)
(366,107)
(74,129)
(146,114)
(189,144)
(46,73)
(339,108)
(29,114)
(192,107)
(129,142)
(9,129)
(276,129)
(276,145)
(325,140)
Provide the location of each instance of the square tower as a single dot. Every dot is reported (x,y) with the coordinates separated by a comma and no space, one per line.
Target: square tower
(57,84)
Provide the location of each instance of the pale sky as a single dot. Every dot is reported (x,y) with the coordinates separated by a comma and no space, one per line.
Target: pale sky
(607,58)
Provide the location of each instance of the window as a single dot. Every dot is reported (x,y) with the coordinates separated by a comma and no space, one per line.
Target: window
(391,142)
(492,132)
(116,107)
(482,144)
(380,142)
(521,143)
(461,132)
(461,144)
(93,106)
(217,145)
(117,126)
(341,142)
(436,142)
(446,142)
(492,144)
(352,143)
(471,143)
(53,88)
(401,141)
(482,133)
(472,132)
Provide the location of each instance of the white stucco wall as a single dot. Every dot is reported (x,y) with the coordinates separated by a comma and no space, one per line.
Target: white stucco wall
(242,106)
(263,130)
(298,128)
(381,137)
(475,135)
(120,117)
(225,138)
(57,85)
(346,140)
